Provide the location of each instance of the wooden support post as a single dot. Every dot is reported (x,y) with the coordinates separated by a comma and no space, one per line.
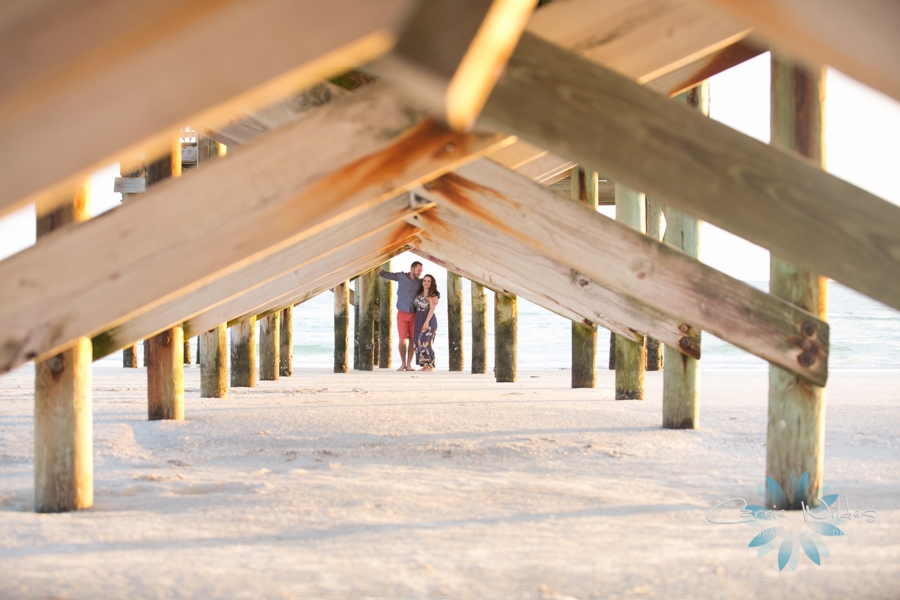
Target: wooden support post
(341,326)
(584,339)
(455,321)
(368,287)
(386,306)
(269,345)
(63,439)
(243,353)
(681,373)
(213,368)
(654,230)
(165,375)
(612,351)
(286,341)
(479,329)
(356,296)
(631,357)
(131,170)
(796,433)
(164,352)
(506,317)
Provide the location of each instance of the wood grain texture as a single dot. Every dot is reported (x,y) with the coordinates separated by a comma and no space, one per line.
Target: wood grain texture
(269,347)
(779,201)
(341,326)
(796,424)
(631,356)
(165,375)
(662,277)
(506,344)
(243,353)
(368,289)
(583,188)
(214,363)
(266,196)
(92,65)
(859,38)
(479,328)
(511,266)
(385,320)
(681,374)
(286,341)
(456,351)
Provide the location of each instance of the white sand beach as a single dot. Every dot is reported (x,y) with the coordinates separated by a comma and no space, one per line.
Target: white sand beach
(400,485)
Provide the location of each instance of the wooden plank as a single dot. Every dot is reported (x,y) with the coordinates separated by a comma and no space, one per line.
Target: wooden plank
(118,66)
(115,268)
(796,425)
(278,292)
(640,39)
(552,284)
(762,194)
(660,276)
(130,185)
(859,38)
(253,275)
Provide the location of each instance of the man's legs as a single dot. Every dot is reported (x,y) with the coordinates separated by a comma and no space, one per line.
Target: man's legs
(405,324)
(403,354)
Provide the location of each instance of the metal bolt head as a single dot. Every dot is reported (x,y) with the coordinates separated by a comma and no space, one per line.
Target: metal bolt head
(56,364)
(808,328)
(163,339)
(686,342)
(806,359)
(450,147)
(429,185)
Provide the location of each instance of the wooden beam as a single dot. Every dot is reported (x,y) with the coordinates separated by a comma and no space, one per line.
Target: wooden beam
(368,282)
(549,283)
(479,328)
(631,357)
(385,321)
(269,340)
(118,66)
(253,275)
(662,277)
(243,352)
(267,196)
(640,39)
(506,342)
(583,189)
(456,354)
(279,292)
(286,342)
(213,365)
(341,326)
(707,169)
(859,38)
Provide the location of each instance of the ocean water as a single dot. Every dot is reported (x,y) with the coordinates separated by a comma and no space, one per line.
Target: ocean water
(865,334)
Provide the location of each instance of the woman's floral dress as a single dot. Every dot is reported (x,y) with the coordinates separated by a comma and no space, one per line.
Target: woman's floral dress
(424,347)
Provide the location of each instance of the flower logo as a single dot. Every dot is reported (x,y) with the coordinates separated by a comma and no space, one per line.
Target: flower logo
(818,521)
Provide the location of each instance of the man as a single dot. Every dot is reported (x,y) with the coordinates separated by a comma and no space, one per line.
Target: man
(407,289)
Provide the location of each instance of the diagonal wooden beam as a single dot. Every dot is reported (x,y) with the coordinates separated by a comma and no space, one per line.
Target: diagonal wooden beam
(498,254)
(105,82)
(323,273)
(860,38)
(763,194)
(346,158)
(637,265)
(253,275)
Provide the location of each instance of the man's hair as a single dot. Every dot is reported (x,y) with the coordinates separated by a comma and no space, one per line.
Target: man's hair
(413,266)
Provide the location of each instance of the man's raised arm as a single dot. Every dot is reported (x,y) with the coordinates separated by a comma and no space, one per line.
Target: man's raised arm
(389,275)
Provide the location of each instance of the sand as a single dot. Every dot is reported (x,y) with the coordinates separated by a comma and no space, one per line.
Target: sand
(439,485)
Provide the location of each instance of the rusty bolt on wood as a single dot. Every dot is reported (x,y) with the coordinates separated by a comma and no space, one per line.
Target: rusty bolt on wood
(806,359)
(808,328)
(57,364)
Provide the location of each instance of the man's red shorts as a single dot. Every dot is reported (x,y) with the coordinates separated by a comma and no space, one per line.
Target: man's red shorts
(406,322)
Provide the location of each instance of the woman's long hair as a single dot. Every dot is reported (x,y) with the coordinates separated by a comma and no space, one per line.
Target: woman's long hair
(432,291)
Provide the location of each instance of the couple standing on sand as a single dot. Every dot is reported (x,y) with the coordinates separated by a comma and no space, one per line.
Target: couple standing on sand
(416,321)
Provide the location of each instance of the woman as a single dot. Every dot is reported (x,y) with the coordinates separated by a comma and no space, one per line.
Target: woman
(426,322)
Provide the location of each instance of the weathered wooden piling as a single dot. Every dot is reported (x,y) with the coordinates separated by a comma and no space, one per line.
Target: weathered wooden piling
(243,353)
(165,375)
(506,318)
(269,347)
(479,329)
(357,294)
(341,326)
(583,188)
(63,438)
(631,357)
(385,306)
(654,230)
(187,351)
(368,288)
(796,432)
(213,367)
(286,342)
(455,321)
(681,373)
(134,170)
(165,361)
(212,354)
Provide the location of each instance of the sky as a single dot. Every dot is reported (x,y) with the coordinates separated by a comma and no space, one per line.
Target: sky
(862,145)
